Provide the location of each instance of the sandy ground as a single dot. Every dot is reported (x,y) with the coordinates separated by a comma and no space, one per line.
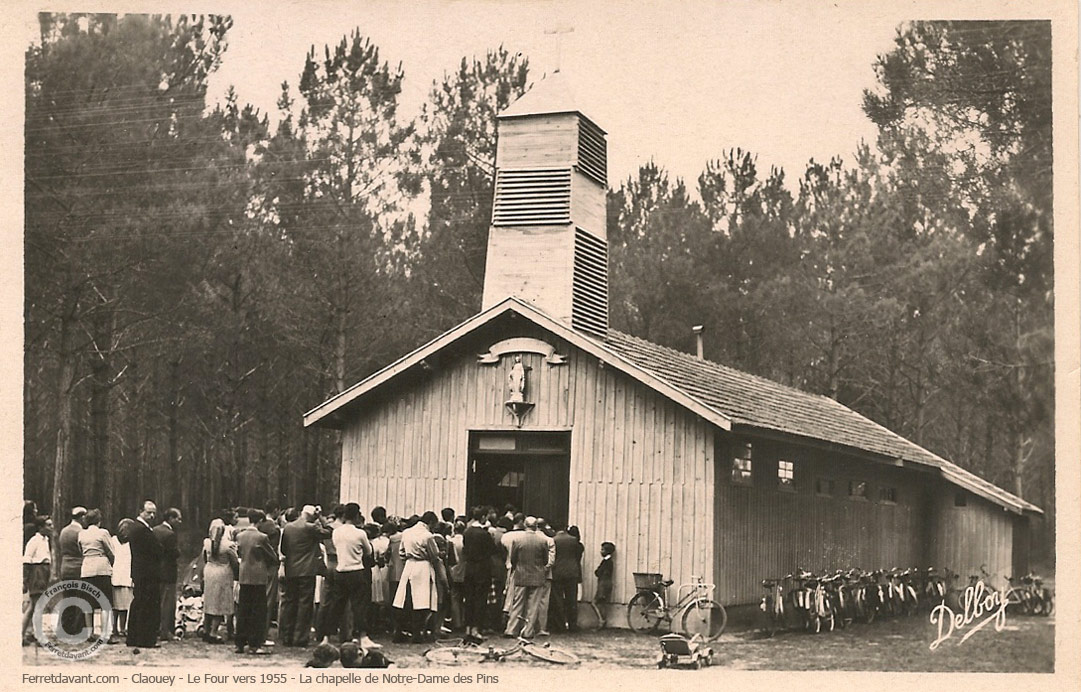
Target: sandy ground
(1025,644)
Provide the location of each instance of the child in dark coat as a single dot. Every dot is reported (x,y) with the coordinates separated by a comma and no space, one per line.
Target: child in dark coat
(604,574)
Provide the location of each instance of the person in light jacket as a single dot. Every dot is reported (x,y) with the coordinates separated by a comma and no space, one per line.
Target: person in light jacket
(530,561)
(258,565)
(96,545)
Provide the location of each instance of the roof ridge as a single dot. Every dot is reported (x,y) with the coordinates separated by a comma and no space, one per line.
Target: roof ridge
(722,366)
(900,445)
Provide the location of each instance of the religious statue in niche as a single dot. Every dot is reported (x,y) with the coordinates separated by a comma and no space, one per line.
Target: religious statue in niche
(516,380)
(516,384)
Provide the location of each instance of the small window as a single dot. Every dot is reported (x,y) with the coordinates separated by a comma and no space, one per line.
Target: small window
(786,475)
(960,500)
(824,486)
(887,494)
(741,464)
(857,490)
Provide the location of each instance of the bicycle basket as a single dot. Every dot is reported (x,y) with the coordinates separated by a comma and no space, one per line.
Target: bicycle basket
(647,580)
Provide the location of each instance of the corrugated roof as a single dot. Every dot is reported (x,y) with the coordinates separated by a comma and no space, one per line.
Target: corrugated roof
(761,403)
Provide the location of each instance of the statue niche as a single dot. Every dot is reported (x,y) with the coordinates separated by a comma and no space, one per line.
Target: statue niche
(516,385)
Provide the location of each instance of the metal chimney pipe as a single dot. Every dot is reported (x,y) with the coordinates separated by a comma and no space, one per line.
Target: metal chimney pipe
(700,347)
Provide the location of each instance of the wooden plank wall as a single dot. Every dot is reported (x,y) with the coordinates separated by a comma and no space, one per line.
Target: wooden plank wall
(588,205)
(763,531)
(538,141)
(641,471)
(964,538)
(534,263)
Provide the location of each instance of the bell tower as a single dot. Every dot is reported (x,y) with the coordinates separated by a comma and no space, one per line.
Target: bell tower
(548,243)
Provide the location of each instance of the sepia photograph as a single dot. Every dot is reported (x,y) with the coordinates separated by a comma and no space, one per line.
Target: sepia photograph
(469,339)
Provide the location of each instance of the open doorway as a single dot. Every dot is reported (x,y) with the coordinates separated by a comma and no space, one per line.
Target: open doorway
(530,470)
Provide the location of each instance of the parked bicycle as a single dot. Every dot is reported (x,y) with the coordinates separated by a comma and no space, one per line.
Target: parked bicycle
(472,654)
(933,587)
(839,597)
(695,609)
(772,605)
(1043,600)
(902,594)
(811,602)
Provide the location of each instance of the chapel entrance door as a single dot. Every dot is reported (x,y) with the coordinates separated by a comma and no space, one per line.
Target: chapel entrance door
(530,470)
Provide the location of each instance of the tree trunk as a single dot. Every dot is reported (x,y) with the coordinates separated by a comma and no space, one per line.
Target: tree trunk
(832,364)
(64,386)
(339,351)
(1019,459)
(173,423)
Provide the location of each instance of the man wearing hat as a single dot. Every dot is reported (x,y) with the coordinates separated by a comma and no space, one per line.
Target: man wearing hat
(71,564)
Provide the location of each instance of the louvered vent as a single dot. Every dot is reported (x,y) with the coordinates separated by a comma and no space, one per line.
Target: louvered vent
(592,151)
(532,197)
(589,309)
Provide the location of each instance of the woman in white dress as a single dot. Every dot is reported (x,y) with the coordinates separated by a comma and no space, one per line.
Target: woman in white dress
(380,583)
(220,555)
(37,557)
(121,580)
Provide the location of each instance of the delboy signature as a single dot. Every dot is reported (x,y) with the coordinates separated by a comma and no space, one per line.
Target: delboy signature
(977,601)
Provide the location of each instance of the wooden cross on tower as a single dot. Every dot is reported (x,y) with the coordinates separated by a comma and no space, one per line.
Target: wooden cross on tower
(558,31)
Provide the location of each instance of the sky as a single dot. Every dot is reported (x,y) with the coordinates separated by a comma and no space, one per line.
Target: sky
(676,83)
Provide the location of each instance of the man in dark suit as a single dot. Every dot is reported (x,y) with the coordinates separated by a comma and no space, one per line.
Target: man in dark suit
(477,551)
(165,532)
(269,526)
(529,557)
(144,616)
(71,563)
(566,574)
(303,562)
(258,561)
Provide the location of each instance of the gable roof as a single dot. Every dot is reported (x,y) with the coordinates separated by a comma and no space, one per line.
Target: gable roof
(724,396)
(319,414)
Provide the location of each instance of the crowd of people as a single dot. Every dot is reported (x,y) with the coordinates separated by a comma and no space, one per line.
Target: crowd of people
(133,572)
(321,575)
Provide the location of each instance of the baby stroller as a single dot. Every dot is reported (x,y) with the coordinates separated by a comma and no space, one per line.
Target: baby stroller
(677,650)
(189,607)
(189,614)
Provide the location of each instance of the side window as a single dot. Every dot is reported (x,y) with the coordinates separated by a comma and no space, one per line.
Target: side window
(741,464)
(824,487)
(887,494)
(786,475)
(857,490)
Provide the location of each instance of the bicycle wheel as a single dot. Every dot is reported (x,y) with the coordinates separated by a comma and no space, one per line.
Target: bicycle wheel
(645,612)
(1019,598)
(704,616)
(551,654)
(455,655)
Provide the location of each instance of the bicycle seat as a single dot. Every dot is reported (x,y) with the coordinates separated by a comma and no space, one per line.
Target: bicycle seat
(666,582)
